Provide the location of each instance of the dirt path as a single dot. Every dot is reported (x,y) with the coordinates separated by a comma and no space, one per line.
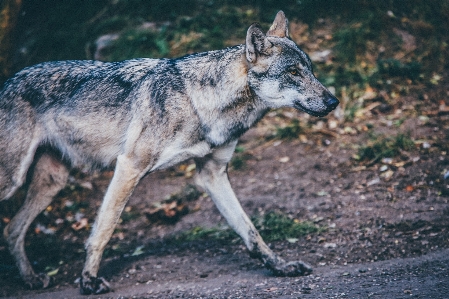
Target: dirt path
(421,277)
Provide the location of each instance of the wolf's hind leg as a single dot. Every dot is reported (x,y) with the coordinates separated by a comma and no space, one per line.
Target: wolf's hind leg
(48,178)
(17,154)
(212,175)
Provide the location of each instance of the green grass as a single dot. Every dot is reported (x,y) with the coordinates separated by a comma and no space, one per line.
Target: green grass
(291,131)
(201,233)
(239,159)
(273,226)
(276,226)
(381,146)
(135,43)
(238,162)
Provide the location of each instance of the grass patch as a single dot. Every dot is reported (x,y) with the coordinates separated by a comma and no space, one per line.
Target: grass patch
(239,159)
(395,68)
(385,147)
(351,40)
(273,226)
(135,43)
(201,233)
(128,215)
(238,162)
(291,131)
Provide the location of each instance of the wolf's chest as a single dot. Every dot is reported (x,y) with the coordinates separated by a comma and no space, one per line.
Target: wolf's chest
(176,153)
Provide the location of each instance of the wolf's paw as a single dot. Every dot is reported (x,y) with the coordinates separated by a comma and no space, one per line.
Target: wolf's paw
(291,269)
(94,285)
(38,281)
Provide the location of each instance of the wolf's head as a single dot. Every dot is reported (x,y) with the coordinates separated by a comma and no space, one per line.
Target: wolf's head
(281,74)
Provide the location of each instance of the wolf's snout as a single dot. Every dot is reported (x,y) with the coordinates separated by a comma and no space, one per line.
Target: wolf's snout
(331,102)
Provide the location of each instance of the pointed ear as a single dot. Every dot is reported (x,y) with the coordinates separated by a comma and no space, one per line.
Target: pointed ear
(280,26)
(256,43)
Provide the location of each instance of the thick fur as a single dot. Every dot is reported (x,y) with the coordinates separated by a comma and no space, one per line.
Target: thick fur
(144,115)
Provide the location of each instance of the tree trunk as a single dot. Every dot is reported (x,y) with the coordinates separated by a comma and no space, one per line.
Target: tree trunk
(9,13)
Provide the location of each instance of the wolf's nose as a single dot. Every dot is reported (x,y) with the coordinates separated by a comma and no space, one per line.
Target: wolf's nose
(331,102)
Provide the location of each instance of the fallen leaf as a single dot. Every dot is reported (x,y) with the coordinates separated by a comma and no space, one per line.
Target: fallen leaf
(120,235)
(318,219)
(387,160)
(362,112)
(358,168)
(82,223)
(138,251)
(426,145)
(87,185)
(387,174)
(402,163)
(383,168)
(409,188)
(43,229)
(349,130)
(322,193)
(373,182)
(321,239)
(284,159)
(332,124)
(53,272)
(168,212)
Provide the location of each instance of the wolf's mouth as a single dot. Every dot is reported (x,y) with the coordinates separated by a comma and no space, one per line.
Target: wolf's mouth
(298,106)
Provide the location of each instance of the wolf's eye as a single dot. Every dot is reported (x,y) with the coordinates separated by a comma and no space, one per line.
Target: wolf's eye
(294,72)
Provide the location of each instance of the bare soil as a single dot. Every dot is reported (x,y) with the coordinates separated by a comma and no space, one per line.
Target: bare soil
(384,224)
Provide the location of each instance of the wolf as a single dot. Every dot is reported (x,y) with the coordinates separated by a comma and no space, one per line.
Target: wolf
(143,115)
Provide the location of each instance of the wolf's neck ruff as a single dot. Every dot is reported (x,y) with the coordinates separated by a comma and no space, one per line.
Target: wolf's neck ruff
(219,92)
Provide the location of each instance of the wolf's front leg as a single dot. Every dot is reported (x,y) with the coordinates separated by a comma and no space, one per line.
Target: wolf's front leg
(213,177)
(125,178)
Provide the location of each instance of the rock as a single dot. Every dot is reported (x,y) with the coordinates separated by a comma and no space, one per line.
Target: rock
(329,245)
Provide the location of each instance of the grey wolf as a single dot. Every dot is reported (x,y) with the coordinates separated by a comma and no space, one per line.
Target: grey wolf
(144,115)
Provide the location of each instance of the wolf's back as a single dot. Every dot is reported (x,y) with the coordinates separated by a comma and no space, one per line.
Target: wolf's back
(74,82)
